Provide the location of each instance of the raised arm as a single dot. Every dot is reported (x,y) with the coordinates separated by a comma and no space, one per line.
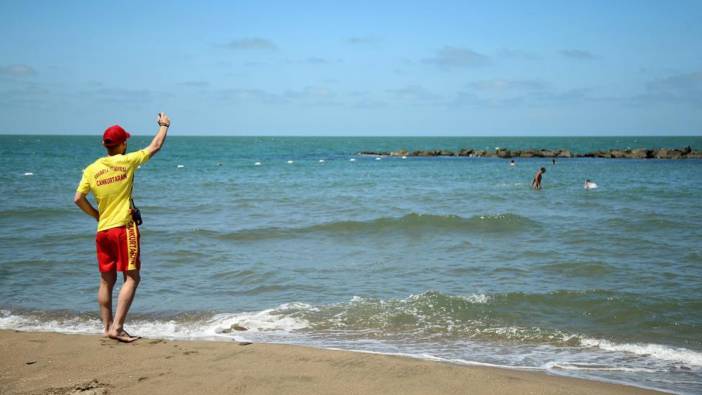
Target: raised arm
(163,123)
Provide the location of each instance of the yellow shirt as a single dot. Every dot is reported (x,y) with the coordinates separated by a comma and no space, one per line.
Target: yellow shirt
(110,179)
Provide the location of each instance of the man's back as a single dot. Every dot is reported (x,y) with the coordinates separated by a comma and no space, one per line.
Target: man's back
(110,179)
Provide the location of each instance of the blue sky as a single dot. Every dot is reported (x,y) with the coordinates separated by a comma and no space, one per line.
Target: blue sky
(356,68)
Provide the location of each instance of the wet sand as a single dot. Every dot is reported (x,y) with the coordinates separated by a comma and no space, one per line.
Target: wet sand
(54,363)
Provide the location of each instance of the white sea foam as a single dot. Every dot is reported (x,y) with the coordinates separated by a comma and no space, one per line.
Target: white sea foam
(593,367)
(171,329)
(477,298)
(270,320)
(66,325)
(296,306)
(266,320)
(657,351)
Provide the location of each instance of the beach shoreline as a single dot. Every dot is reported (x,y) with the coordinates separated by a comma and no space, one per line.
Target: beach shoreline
(43,362)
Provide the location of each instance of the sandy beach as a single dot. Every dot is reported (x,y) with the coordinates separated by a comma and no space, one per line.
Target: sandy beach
(54,363)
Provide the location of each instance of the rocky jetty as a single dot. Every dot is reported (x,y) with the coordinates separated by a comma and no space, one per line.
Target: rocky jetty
(639,153)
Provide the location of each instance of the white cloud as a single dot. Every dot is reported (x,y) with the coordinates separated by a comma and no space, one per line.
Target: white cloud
(251,43)
(17,70)
(363,40)
(455,57)
(504,86)
(675,88)
(577,54)
(415,94)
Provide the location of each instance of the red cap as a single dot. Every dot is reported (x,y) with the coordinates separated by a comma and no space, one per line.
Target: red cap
(114,135)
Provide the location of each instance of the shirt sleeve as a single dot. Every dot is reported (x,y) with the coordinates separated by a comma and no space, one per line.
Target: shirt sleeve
(84,184)
(138,158)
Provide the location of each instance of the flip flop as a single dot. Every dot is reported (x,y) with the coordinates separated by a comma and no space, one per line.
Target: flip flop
(125,337)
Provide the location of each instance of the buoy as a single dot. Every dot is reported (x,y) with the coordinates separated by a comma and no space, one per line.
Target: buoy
(352,160)
(404,157)
(181,166)
(290,162)
(321,161)
(378,158)
(28,174)
(257,164)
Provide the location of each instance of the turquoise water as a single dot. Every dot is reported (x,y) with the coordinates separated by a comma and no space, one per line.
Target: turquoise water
(443,258)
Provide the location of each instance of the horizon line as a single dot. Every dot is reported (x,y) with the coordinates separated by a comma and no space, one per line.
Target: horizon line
(361,136)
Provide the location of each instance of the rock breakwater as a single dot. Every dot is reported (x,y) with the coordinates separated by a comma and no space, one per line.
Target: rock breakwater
(639,153)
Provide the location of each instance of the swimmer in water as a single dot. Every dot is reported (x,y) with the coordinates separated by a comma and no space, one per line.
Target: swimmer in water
(536,182)
(511,163)
(590,185)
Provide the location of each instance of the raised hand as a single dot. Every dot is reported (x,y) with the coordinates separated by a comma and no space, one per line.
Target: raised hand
(163,120)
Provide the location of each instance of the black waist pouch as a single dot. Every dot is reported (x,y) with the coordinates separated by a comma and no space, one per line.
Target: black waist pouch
(136,214)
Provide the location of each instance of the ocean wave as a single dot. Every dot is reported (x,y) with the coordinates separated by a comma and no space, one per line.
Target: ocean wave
(429,316)
(576,268)
(595,367)
(481,317)
(181,326)
(651,222)
(509,318)
(410,224)
(658,351)
(39,213)
(62,322)
(277,319)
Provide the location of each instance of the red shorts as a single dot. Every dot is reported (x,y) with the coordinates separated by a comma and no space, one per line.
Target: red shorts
(118,248)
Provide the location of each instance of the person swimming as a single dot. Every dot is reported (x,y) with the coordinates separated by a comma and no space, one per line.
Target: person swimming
(589,184)
(536,182)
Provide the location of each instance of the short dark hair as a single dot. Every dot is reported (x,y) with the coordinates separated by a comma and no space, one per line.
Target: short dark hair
(114,149)
(543,169)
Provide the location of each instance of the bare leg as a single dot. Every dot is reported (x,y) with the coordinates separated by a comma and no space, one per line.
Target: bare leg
(126,296)
(107,282)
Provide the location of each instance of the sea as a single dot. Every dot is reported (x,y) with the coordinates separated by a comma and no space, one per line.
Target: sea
(302,241)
